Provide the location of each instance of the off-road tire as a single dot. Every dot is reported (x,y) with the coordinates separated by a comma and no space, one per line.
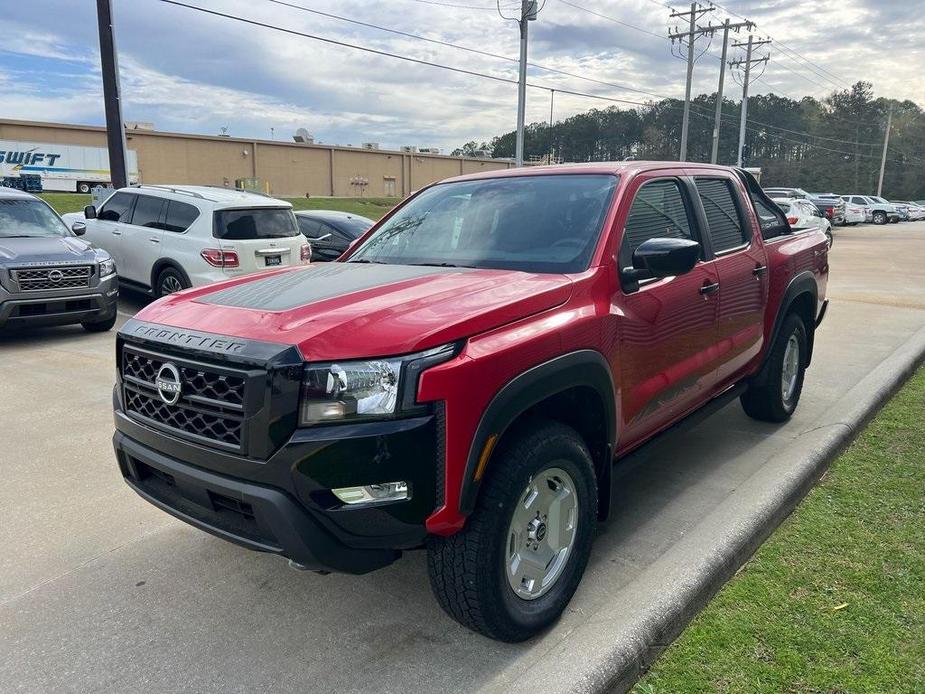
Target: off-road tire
(467,570)
(766,402)
(100,326)
(161,286)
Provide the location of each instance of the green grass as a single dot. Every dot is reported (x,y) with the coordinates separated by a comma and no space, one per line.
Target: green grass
(374,208)
(834,601)
(66,202)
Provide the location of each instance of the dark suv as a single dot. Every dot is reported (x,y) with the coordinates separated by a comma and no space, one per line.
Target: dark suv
(49,276)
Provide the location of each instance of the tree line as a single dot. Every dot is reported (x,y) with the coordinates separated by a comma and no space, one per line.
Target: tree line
(833,144)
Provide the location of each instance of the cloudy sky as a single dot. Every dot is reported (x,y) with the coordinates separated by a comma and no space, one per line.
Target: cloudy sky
(190,71)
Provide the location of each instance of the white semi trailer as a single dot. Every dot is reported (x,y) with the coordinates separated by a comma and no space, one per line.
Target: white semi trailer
(66,168)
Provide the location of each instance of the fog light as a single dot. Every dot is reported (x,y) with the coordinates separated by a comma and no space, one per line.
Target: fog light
(388,491)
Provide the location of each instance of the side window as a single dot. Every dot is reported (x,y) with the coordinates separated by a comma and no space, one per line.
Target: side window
(118,208)
(858,200)
(179,216)
(658,211)
(726,227)
(771,221)
(309,227)
(149,212)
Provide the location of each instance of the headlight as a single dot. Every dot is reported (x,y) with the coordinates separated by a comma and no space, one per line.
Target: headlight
(107,267)
(368,389)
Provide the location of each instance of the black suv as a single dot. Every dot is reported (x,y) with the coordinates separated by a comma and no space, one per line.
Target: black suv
(48,276)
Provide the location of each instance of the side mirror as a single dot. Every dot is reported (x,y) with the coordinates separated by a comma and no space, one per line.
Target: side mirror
(79,228)
(663,258)
(90,212)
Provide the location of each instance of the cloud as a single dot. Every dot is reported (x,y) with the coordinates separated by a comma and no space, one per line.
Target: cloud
(190,71)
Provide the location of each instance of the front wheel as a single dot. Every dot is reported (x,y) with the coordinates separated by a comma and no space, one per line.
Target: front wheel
(776,399)
(879,218)
(830,237)
(514,567)
(101,326)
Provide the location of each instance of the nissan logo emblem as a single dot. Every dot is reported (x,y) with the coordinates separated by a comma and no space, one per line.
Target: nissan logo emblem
(55,275)
(168,383)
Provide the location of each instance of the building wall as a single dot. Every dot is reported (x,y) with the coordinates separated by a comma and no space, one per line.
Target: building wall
(290,169)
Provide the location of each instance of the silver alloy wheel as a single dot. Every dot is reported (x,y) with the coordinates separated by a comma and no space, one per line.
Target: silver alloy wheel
(790,370)
(170,284)
(542,533)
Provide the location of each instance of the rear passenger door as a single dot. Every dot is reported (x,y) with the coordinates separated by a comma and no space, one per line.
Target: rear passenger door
(178,244)
(666,354)
(741,262)
(141,239)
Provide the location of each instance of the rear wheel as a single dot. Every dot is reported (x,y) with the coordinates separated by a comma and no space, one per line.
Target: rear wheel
(777,398)
(83,187)
(169,280)
(99,327)
(514,567)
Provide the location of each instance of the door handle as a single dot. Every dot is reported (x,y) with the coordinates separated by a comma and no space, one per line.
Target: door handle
(116,232)
(154,240)
(709,288)
(759,270)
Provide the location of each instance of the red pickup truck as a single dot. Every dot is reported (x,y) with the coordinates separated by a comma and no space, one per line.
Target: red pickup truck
(465,377)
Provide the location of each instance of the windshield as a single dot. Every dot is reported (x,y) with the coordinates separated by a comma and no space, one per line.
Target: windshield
(255,223)
(531,223)
(21,217)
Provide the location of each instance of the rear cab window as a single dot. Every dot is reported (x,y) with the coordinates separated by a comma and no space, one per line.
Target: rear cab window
(254,223)
(721,205)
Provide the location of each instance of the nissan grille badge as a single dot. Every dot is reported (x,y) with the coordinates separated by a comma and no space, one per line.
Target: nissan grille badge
(168,383)
(55,276)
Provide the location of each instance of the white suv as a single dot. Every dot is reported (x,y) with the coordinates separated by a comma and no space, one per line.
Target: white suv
(167,238)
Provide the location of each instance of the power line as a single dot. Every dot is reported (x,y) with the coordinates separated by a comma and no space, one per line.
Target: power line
(613,19)
(468,49)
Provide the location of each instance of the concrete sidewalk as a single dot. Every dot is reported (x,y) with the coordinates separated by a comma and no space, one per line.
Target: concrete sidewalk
(100,592)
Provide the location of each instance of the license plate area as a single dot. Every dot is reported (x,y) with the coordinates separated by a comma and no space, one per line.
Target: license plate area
(271,260)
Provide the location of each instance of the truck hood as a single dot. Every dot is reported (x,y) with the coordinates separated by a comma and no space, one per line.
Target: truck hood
(354,310)
(64,250)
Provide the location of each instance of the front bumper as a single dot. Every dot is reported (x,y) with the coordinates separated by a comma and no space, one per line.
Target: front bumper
(43,308)
(284,504)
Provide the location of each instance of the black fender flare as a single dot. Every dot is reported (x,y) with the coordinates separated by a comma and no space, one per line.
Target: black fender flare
(802,283)
(584,367)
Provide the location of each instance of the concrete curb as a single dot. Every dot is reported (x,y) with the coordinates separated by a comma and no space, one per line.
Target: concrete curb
(610,651)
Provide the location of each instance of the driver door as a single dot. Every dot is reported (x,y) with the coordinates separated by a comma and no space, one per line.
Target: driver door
(667,353)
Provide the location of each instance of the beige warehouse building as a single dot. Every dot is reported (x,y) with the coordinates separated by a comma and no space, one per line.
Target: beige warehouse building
(289,169)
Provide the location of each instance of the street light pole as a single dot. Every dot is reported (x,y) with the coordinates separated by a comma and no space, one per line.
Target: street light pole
(527,15)
(886,144)
(112,95)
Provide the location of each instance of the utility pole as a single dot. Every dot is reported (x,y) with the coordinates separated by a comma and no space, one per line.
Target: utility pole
(528,11)
(717,120)
(112,95)
(749,47)
(886,143)
(552,98)
(692,33)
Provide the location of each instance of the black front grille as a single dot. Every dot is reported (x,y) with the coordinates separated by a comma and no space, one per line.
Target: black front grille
(211,404)
(50,278)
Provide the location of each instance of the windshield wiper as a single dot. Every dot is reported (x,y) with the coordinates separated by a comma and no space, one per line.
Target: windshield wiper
(22,236)
(367,260)
(444,264)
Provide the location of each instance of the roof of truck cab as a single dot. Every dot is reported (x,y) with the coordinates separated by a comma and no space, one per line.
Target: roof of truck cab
(599,168)
(15,194)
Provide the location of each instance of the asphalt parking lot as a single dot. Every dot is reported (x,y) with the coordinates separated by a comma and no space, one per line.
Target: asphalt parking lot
(101,592)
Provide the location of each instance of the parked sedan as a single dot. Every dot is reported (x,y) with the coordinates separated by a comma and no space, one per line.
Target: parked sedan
(331,232)
(803,215)
(916,213)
